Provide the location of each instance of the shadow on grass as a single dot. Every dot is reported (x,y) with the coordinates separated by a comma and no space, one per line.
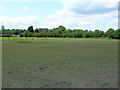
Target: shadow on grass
(23,42)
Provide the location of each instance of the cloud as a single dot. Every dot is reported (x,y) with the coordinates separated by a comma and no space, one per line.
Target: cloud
(25,8)
(18,22)
(90,6)
(73,20)
(86,14)
(81,14)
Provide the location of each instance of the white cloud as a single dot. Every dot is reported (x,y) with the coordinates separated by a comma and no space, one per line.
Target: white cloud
(90,6)
(18,22)
(72,20)
(82,14)
(25,8)
(86,14)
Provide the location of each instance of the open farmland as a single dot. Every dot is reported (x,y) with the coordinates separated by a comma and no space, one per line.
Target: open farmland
(60,63)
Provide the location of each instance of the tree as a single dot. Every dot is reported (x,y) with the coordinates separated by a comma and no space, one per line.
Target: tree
(85,34)
(116,34)
(2,28)
(62,28)
(59,29)
(15,31)
(30,29)
(36,30)
(44,30)
(26,34)
(6,33)
(109,33)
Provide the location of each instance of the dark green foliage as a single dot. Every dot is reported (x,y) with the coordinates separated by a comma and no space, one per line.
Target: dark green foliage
(36,30)
(0,33)
(44,30)
(6,33)
(110,33)
(116,34)
(26,34)
(30,29)
(16,31)
(61,31)
(2,28)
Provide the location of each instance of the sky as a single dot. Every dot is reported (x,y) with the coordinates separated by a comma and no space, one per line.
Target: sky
(73,14)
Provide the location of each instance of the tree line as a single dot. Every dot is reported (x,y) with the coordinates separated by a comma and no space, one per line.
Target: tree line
(60,31)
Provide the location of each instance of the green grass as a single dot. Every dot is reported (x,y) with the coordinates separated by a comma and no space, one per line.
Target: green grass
(58,62)
(0,64)
(53,38)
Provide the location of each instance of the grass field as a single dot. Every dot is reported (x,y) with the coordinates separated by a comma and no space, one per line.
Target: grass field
(60,63)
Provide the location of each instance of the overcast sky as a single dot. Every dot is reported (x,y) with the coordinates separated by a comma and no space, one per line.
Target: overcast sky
(74,14)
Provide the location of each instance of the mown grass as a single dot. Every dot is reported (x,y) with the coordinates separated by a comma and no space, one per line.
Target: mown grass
(0,64)
(59,62)
(46,38)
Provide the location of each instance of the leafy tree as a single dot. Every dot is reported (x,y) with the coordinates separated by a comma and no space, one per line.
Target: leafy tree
(30,29)
(85,34)
(2,28)
(116,34)
(6,32)
(15,31)
(36,30)
(59,29)
(44,30)
(26,34)
(109,33)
